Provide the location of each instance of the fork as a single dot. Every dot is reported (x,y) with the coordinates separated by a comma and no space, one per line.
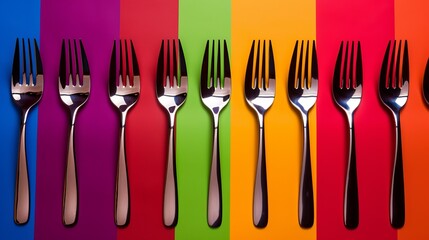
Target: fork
(124,93)
(259,92)
(347,91)
(426,83)
(303,94)
(393,91)
(215,94)
(171,91)
(74,92)
(27,89)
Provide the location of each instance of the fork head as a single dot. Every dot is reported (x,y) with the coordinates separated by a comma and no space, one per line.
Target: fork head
(394,77)
(260,80)
(348,75)
(27,80)
(74,80)
(215,92)
(302,91)
(172,77)
(124,84)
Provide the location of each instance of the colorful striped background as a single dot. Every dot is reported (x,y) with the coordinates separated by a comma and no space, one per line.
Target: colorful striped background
(99,22)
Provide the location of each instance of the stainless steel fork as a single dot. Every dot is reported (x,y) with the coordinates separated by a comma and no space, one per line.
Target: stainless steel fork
(27,89)
(302,93)
(347,91)
(215,94)
(393,91)
(260,91)
(124,92)
(74,88)
(171,90)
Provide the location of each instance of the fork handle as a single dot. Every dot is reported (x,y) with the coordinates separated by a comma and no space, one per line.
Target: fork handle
(260,194)
(306,203)
(122,193)
(351,197)
(170,211)
(70,194)
(22,191)
(397,195)
(214,209)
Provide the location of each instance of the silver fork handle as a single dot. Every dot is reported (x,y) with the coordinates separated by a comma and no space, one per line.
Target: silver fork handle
(214,210)
(260,194)
(306,203)
(351,197)
(170,211)
(122,194)
(397,195)
(22,191)
(70,194)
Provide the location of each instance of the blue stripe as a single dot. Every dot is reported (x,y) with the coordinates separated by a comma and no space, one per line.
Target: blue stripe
(19,18)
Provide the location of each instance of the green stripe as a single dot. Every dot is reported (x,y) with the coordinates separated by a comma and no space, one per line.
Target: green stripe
(200,21)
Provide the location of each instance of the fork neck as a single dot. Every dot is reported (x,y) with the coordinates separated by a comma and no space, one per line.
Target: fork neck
(24,114)
(350,119)
(215,120)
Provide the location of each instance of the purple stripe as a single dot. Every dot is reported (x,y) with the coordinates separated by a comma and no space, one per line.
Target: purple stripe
(96,22)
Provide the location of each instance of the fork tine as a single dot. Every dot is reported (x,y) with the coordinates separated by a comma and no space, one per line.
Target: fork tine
(218,82)
(314,67)
(212,83)
(31,80)
(39,67)
(226,66)
(24,64)
(127,65)
(271,68)
(71,82)
(248,83)
(136,70)
(84,59)
(306,81)
(204,69)
(263,77)
(351,78)
(359,71)
(299,80)
(337,72)
(405,65)
(292,68)
(256,77)
(121,66)
(112,74)
(383,73)
(78,78)
(344,80)
(168,80)
(182,67)
(175,73)
(160,70)
(63,65)
(397,67)
(15,66)
(391,81)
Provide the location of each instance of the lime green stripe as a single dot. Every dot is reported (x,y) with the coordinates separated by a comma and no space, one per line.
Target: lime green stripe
(200,21)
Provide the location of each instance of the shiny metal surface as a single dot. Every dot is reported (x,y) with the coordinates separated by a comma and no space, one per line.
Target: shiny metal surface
(171,91)
(215,94)
(259,92)
(347,92)
(74,88)
(302,92)
(27,90)
(393,91)
(124,91)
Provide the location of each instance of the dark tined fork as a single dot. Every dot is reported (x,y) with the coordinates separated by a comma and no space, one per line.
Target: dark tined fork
(215,93)
(393,90)
(260,91)
(27,89)
(74,88)
(171,90)
(302,91)
(347,91)
(124,91)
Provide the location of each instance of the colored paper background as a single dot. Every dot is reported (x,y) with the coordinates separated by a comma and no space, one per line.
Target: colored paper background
(22,27)
(194,22)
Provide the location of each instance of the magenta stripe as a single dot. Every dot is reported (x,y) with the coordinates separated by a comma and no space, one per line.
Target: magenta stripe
(97,24)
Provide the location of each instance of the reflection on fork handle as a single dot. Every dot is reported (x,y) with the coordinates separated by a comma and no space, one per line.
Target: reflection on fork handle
(170,211)
(22,191)
(122,194)
(70,195)
(351,196)
(306,202)
(260,197)
(214,209)
(397,195)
